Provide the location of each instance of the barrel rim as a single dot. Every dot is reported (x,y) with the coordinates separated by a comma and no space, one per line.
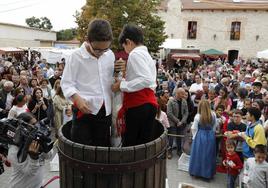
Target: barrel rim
(66,140)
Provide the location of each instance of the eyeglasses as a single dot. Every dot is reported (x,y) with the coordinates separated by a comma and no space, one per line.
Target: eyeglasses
(97,50)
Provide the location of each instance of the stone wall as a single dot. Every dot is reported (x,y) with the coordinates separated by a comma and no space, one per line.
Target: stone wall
(213,29)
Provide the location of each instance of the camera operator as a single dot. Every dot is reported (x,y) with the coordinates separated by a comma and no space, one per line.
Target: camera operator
(30,172)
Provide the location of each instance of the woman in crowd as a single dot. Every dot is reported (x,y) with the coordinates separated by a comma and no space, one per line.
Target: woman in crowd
(38,104)
(34,83)
(55,87)
(223,99)
(44,85)
(19,107)
(60,105)
(203,151)
(161,116)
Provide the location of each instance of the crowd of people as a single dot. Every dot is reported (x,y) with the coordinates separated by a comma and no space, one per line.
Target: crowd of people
(226,108)
(31,91)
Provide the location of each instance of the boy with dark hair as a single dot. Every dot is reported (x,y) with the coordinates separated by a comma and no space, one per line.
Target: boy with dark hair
(254,134)
(87,80)
(139,104)
(256,169)
(256,94)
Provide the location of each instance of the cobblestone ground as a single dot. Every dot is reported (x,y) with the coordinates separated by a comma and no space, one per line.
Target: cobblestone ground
(174,177)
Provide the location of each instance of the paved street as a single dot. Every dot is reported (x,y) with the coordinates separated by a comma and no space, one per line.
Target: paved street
(174,177)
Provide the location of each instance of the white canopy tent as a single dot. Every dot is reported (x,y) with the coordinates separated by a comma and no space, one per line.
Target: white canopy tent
(53,55)
(263,54)
(172,44)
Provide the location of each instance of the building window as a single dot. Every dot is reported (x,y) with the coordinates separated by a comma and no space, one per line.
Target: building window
(235,31)
(192,30)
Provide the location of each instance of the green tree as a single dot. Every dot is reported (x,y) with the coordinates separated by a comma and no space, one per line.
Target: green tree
(67,34)
(41,23)
(120,12)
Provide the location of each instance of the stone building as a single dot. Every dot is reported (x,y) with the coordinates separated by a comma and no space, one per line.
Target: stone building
(237,27)
(12,35)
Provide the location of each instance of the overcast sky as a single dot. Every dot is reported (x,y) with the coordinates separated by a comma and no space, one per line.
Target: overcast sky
(60,12)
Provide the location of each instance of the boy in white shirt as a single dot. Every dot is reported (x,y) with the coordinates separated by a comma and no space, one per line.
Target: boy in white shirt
(256,169)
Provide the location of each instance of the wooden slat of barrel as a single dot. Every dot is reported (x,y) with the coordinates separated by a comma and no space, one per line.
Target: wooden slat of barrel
(68,150)
(157,169)
(62,165)
(115,158)
(102,156)
(128,156)
(150,152)
(89,156)
(163,171)
(78,174)
(140,154)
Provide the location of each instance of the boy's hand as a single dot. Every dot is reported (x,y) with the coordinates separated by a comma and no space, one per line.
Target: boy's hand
(116,86)
(120,65)
(81,104)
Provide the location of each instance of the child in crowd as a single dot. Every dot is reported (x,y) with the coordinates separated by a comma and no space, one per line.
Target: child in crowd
(232,163)
(221,122)
(256,169)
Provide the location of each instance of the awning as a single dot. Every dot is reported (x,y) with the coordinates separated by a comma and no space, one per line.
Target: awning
(213,52)
(263,54)
(4,50)
(185,56)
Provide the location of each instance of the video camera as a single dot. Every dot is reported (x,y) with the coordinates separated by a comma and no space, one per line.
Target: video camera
(19,133)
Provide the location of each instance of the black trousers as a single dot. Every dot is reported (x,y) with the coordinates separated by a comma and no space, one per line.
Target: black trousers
(139,125)
(91,129)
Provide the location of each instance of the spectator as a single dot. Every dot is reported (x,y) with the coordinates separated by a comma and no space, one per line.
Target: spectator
(177,112)
(55,77)
(203,152)
(33,84)
(224,83)
(161,116)
(223,99)
(232,163)
(19,108)
(254,134)
(6,98)
(256,94)
(25,86)
(45,89)
(38,104)
(55,87)
(197,86)
(236,125)
(256,169)
(60,104)
(242,95)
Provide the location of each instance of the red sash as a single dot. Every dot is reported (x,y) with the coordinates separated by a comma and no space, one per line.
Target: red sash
(131,100)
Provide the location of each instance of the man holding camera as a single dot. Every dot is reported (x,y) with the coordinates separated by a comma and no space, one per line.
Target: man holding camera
(30,172)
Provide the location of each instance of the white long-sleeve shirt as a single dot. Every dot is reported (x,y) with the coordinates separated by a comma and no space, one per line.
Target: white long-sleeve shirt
(90,78)
(28,174)
(141,71)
